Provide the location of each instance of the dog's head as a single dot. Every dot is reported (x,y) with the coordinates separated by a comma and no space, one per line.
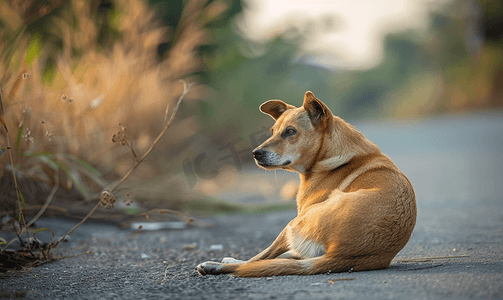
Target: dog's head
(296,136)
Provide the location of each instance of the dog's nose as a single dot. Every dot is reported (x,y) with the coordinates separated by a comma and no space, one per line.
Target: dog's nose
(258,154)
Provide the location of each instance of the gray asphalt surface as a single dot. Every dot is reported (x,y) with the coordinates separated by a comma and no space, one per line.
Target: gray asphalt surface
(455,164)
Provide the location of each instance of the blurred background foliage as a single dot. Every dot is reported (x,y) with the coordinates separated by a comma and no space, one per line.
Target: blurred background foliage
(119,61)
(455,66)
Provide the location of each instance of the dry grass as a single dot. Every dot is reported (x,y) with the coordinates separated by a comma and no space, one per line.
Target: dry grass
(68,114)
(61,123)
(27,256)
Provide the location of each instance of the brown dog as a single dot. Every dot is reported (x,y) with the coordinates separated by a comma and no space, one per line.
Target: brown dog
(356,210)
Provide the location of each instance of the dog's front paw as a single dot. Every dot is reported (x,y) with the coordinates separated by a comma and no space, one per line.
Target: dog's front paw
(209,268)
(230,260)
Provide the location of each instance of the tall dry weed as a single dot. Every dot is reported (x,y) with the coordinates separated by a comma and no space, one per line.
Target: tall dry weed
(68,113)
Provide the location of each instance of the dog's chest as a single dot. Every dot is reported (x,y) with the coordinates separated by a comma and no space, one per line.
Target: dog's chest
(305,247)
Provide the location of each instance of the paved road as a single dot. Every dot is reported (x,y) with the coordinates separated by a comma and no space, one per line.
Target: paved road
(455,164)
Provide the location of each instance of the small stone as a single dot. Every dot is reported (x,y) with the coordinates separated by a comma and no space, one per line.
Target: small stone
(218,247)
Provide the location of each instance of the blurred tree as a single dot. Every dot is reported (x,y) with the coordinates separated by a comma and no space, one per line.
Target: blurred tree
(493,32)
(219,13)
(450,68)
(446,69)
(493,20)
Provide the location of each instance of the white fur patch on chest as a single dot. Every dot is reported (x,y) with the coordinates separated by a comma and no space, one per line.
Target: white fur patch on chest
(306,248)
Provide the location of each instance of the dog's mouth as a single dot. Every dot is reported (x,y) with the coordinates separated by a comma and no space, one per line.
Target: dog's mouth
(266,164)
(262,164)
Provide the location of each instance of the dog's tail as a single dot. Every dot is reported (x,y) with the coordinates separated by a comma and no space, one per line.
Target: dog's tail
(317,265)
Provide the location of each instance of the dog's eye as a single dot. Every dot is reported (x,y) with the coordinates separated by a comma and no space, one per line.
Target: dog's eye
(288,132)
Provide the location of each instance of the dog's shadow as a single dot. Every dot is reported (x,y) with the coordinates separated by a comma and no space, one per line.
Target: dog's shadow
(416,265)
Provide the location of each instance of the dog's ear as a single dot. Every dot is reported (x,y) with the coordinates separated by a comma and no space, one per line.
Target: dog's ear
(318,112)
(274,108)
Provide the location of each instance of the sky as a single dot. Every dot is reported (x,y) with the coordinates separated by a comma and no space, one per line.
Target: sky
(349,33)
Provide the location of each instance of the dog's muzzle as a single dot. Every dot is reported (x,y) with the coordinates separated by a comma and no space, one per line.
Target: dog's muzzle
(266,158)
